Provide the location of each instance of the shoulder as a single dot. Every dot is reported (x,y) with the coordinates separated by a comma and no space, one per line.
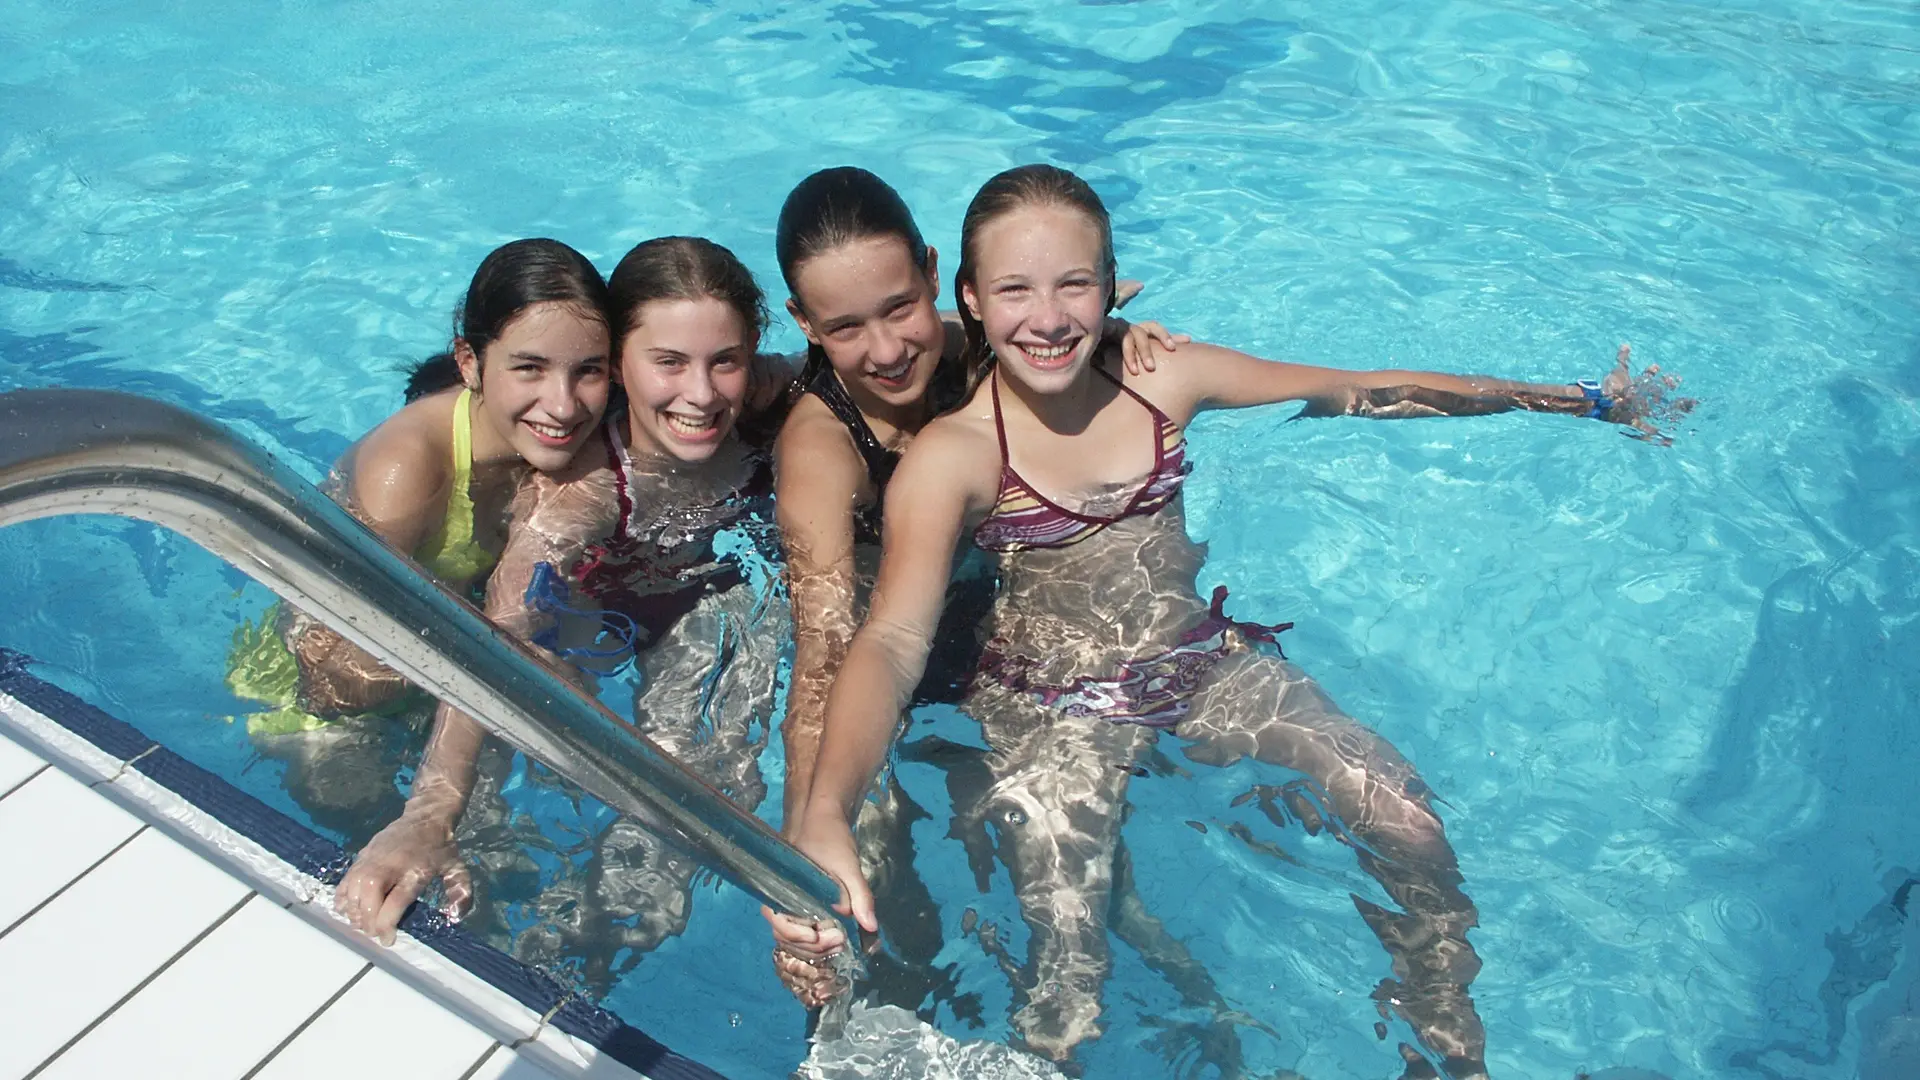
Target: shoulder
(408,458)
(956,455)
(1183,380)
(815,459)
(813,430)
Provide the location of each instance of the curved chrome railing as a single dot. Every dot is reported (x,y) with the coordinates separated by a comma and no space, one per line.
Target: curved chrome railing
(97,452)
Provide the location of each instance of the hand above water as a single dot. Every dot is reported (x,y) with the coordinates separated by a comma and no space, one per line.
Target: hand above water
(1643,402)
(393,870)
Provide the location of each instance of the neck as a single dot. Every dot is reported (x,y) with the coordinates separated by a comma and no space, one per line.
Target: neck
(489,446)
(1067,411)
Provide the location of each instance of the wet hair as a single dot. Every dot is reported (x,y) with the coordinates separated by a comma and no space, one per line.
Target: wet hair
(831,208)
(512,278)
(683,268)
(1027,185)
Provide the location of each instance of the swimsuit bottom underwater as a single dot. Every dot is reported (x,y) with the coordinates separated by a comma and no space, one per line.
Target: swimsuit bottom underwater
(1154,691)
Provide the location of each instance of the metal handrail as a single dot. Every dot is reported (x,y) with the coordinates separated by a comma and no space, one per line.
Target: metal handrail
(101,452)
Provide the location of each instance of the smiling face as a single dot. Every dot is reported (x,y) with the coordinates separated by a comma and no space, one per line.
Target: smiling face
(1039,292)
(685,365)
(543,384)
(872,310)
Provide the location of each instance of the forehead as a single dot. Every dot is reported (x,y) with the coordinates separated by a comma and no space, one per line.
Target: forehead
(855,276)
(1035,236)
(706,319)
(562,324)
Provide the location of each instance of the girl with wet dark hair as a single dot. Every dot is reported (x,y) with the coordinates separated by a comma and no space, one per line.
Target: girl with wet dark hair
(1069,469)
(522,389)
(653,548)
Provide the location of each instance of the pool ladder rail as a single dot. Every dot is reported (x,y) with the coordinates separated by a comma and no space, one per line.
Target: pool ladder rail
(67,451)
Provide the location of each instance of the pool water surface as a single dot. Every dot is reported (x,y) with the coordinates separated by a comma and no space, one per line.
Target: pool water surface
(1665,694)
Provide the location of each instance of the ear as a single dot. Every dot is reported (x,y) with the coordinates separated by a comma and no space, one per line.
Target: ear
(971,301)
(469,364)
(800,320)
(933,270)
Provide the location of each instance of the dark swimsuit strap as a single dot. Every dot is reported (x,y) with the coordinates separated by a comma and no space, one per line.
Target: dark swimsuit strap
(879,460)
(1160,422)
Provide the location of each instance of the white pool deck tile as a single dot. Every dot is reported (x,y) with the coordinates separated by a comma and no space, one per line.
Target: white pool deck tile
(504,1064)
(125,952)
(51,830)
(381,1027)
(16,764)
(69,963)
(223,1007)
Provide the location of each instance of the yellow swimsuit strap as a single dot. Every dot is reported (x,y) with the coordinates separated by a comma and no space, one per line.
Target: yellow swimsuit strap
(451,553)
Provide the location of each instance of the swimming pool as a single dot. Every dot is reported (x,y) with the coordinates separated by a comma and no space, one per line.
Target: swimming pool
(1666,694)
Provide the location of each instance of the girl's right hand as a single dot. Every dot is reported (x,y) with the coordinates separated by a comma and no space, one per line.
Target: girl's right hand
(393,870)
(827,839)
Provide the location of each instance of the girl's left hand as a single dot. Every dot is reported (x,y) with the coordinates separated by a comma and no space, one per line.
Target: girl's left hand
(1642,402)
(1141,339)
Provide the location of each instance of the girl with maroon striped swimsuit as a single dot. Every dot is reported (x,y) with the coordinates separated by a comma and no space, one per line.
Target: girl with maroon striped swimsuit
(1099,641)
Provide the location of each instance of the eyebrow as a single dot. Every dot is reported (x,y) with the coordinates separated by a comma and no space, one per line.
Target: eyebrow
(887,304)
(538,359)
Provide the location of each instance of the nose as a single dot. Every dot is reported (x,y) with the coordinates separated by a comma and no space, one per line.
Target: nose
(560,397)
(888,348)
(1048,318)
(697,388)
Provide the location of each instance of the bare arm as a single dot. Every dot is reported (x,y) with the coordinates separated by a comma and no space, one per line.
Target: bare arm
(1226,379)
(818,486)
(552,521)
(398,483)
(942,479)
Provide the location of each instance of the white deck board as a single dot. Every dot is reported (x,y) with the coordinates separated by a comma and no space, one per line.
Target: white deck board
(68,964)
(51,829)
(221,1008)
(134,954)
(507,1065)
(381,1027)
(16,763)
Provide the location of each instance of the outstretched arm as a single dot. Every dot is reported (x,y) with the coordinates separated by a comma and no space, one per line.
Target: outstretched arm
(1229,379)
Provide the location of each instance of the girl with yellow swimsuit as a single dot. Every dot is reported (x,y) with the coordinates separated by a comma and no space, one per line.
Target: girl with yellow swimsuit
(523,388)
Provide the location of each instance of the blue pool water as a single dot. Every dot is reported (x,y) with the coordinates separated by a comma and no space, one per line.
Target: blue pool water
(1667,695)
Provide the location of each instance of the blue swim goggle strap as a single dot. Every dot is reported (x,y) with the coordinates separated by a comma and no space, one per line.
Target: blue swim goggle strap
(1600,402)
(548,594)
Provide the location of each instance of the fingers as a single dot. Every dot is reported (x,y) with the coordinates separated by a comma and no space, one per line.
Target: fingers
(1164,337)
(860,905)
(399,898)
(804,937)
(359,896)
(456,884)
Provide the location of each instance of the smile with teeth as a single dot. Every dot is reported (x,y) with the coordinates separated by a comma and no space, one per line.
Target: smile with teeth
(895,373)
(551,433)
(1049,352)
(692,427)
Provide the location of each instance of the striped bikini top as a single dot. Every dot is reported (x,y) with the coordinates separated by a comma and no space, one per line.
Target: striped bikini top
(1022,518)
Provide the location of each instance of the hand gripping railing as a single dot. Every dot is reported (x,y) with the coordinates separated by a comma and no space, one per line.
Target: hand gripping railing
(96,452)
